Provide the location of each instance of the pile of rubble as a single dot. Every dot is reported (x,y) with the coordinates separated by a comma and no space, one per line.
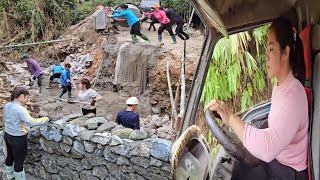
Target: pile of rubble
(80,64)
(157,126)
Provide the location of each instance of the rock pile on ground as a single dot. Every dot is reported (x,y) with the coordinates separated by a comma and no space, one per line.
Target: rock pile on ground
(157,126)
(80,64)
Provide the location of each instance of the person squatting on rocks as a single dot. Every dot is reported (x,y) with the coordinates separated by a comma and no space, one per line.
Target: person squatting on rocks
(130,118)
(165,22)
(56,73)
(17,123)
(65,81)
(132,20)
(35,70)
(175,18)
(88,95)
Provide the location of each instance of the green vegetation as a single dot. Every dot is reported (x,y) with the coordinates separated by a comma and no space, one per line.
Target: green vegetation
(237,70)
(25,20)
(181,6)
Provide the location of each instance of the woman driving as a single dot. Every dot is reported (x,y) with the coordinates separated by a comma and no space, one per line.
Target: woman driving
(284,144)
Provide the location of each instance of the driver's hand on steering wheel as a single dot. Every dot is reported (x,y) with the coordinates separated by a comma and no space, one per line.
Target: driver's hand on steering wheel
(222,109)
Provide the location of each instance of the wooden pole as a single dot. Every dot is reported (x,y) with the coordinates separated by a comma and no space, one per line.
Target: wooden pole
(190,19)
(174,111)
(183,81)
(35,43)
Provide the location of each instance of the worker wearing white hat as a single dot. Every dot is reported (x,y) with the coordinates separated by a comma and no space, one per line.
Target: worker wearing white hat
(130,117)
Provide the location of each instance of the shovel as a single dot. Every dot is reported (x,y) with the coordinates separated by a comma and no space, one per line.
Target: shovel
(72,101)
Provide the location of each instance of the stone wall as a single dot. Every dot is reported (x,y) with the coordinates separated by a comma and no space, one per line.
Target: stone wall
(94,148)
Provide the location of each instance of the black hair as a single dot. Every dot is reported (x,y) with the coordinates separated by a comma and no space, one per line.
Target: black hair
(67,65)
(124,6)
(86,82)
(17,91)
(286,36)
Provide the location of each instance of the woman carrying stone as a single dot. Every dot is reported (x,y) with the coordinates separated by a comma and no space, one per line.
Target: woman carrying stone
(88,96)
(17,123)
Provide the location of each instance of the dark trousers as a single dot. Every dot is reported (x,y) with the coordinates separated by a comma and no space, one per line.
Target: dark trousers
(135,29)
(16,151)
(167,27)
(54,76)
(267,171)
(66,89)
(180,32)
(39,80)
(88,111)
(153,22)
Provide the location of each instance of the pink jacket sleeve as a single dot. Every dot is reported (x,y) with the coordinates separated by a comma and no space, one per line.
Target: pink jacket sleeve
(165,19)
(148,14)
(266,144)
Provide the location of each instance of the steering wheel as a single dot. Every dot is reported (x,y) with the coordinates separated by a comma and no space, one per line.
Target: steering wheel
(236,150)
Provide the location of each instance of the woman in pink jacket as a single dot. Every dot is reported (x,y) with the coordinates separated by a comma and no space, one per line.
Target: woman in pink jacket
(161,16)
(283,146)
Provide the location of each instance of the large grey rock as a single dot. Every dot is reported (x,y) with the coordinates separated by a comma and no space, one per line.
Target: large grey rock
(165,132)
(139,149)
(100,171)
(89,147)
(81,121)
(141,161)
(115,140)
(155,162)
(69,174)
(160,149)
(75,164)
(107,126)
(99,120)
(109,156)
(62,161)
(51,133)
(67,140)
(79,147)
(122,161)
(96,161)
(117,127)
(150,131)
(76,155)
(123,133)
(114,170)
(72,116)
(72,130)
(64,148)
(92,126)
(55,177)
(47,146)
(120,150)
(85,163)
(86,135)
(138,135)
(87,175)
(127,169)
(41,172)
(101,138)
(95,122)
(49,163)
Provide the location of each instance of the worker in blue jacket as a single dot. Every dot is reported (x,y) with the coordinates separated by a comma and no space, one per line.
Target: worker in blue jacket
(56,73)
(132,20)
(65,81)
